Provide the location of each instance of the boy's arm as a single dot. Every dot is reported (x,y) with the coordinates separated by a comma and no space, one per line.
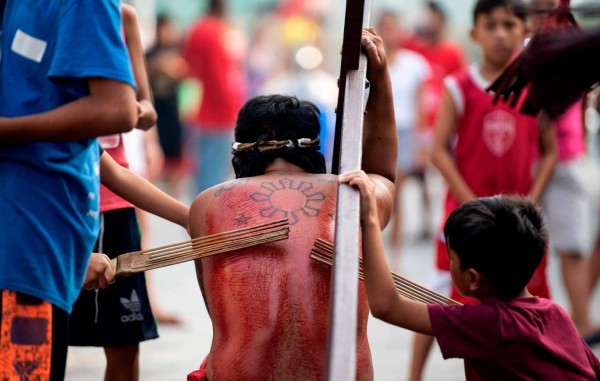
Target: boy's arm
(548,157)
(109,108)
(384,301)
(147,113)
(440,152)
(99,272)
(141,193)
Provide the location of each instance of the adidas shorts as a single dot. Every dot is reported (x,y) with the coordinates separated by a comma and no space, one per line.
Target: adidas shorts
(120,314)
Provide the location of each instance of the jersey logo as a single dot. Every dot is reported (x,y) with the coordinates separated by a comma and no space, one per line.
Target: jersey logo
(28,46)
(499,131)
(134,306)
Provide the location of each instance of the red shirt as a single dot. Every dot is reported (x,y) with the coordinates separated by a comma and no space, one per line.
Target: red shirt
(113,146)
(525,339)
(444,58)
(214,54)
(496,145)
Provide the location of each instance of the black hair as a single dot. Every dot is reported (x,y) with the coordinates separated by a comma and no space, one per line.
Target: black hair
(503,238)
(436,8)
(162,19)
(216,7)
(487,6)
(277,117)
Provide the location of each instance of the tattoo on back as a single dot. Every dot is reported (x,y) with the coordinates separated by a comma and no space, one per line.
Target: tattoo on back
(242,220)
(286,199)
(226,187)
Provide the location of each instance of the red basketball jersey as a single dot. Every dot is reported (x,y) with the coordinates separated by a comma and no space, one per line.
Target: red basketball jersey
(496,146)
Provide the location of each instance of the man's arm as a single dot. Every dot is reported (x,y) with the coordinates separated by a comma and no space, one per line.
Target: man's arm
(548,157)
(147,113)
(440,152)
(380,139)
(109,108)
(384,301)
(141,193)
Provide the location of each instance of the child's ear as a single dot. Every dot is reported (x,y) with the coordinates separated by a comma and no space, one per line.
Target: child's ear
(473,34)
(474,280)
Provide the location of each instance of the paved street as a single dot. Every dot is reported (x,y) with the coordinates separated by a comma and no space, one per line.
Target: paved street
(181,349)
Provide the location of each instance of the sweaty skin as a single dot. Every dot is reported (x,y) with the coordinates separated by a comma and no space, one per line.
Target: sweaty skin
(269,304)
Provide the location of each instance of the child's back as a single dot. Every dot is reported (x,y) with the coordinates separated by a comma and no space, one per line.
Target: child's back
(521,339)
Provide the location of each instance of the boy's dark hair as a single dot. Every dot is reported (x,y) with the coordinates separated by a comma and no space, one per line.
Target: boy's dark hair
(436,8)
(485,7)
(503,238)
(277,117)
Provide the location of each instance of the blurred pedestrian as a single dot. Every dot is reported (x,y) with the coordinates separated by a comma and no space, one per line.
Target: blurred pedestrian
(166,70)
(409,72)
(214,52)
(566,200)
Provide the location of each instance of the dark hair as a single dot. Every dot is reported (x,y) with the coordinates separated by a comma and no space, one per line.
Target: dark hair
(277,117)
(162,19)
(216,7)
(435,7)
(487,6)
(503,238)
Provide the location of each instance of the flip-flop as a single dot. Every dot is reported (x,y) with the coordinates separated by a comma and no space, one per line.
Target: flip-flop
(593,338)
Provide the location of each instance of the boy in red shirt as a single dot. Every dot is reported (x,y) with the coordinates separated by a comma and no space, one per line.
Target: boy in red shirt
(495,245)
(483,149)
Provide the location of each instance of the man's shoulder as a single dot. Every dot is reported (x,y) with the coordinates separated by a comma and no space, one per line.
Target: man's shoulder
(281,180)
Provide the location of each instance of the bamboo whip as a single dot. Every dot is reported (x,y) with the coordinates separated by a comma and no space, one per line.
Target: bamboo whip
(202,247)
(323,252)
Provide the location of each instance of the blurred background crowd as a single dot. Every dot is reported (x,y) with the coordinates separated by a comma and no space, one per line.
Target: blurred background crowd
(205,58)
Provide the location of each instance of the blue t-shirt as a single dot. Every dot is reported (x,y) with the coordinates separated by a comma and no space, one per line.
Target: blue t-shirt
(49,191)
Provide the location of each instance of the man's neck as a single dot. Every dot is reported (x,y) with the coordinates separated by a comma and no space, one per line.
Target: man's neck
(282,165)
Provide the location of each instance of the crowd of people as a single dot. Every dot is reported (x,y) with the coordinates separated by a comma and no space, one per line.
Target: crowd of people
(516,197)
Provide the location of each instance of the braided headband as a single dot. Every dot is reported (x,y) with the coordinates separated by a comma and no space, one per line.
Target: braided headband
(269,145)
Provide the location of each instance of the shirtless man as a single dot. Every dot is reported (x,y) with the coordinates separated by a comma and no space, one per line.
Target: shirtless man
(269,304)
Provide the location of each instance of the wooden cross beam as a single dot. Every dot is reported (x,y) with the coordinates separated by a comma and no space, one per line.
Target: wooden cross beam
(341,344)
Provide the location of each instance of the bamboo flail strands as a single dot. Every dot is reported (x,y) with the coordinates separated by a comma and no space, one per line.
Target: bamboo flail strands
(326,247)
(218,236)
(409,286)
(323,252)
(165,251)
(138,261)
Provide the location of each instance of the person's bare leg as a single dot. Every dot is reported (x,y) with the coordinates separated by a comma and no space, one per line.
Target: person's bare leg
(421,348)
(161,315)
(594,268)
(122,363)
(396,223)
(426,232)
(574,275)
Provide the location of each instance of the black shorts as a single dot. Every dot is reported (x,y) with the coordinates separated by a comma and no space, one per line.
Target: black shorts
(33,338)
(120,314)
